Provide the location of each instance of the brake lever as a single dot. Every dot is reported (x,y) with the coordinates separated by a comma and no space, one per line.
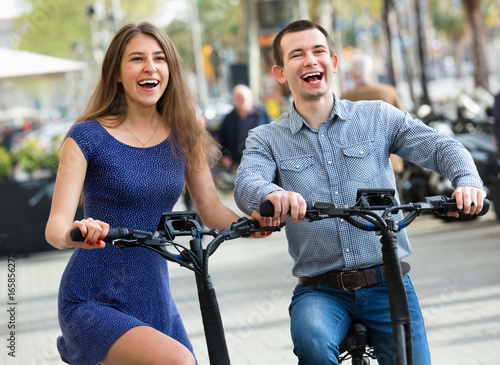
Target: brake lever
(142,240)
(122,243)
(267,228)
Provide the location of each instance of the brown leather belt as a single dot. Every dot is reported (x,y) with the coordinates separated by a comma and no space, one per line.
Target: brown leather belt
(350,280)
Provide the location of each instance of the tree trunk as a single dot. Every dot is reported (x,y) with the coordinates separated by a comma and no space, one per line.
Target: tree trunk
(422,53)
(385,19)
(472,10)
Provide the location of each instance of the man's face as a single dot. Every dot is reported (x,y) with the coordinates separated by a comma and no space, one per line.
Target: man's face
(307,65)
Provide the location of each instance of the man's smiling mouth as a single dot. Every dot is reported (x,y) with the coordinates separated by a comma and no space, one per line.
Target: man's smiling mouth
(313,77)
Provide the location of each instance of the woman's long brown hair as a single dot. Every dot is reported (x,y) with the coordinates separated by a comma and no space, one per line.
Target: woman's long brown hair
(176,105)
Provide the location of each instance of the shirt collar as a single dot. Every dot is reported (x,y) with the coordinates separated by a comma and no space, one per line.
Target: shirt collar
(339,109)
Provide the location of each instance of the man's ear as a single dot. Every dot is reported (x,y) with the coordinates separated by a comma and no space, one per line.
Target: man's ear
(335,63)
(278,73)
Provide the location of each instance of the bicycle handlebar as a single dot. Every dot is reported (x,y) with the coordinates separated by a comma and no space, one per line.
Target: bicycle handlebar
(174,225)
(113,234)
(440,205)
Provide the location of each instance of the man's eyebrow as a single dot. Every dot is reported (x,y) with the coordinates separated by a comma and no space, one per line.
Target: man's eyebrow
(313,47)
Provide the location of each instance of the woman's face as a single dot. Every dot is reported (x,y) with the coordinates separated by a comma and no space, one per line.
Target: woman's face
(144,71)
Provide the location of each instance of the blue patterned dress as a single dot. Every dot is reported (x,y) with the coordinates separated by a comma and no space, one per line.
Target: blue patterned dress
(106,292)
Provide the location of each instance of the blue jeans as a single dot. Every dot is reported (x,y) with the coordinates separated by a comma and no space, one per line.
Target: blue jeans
(320,317)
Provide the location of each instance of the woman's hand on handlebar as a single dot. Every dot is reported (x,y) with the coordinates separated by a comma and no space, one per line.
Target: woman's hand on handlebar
(469,200)
(288,203)
(92,230)
(264,222)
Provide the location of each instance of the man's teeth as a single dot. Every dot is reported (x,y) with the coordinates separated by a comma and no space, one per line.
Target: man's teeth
(311,75)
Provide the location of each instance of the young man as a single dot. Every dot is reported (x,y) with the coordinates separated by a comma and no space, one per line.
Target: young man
(325,149)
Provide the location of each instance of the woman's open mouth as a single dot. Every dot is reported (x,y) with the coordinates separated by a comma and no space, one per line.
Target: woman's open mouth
(148,84)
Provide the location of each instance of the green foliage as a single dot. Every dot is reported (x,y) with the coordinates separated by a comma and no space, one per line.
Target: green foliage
(220,21)
(29,156)
(54,27)
(447,19)
(50,159)
(5,164)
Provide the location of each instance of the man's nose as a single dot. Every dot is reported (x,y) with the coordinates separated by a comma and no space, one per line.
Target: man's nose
(310,59)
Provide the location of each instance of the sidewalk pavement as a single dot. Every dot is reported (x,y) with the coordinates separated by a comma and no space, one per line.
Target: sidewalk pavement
(457,282)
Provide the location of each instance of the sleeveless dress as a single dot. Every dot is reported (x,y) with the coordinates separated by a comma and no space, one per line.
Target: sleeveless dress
(106,292)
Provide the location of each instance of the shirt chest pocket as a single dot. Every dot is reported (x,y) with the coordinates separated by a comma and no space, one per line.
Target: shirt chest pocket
(298,174)
(361,161)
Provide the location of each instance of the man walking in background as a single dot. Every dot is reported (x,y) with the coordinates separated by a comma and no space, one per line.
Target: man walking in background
(362,68)
(235,126)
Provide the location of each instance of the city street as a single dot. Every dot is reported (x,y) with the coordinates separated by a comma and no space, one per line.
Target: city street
(455,270)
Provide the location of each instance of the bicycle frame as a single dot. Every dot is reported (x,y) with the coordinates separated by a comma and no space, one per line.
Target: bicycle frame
(385,225)
(194,258)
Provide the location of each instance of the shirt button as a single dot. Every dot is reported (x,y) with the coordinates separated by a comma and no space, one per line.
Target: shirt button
(336,193)
(341,220)
(297,166)
(323,135)
(361,152)
(347,250)
(346,206)
(329,162)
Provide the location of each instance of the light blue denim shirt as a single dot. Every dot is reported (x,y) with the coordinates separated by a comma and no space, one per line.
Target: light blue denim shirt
(349,151)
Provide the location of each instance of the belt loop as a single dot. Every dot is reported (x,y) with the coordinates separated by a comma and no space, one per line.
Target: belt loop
(380,274)
(324,276)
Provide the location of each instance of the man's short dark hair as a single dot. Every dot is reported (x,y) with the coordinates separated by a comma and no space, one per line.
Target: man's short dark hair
(297,26)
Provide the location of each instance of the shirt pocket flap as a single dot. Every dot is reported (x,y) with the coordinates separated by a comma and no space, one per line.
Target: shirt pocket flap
(297,164)
(359,150)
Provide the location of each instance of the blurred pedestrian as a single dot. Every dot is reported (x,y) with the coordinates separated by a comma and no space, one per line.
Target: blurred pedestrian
(131,152)
(362,70)
(496,114)
(7,137)
(235,126)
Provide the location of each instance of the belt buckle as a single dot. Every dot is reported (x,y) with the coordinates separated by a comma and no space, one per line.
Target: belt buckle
(340,280)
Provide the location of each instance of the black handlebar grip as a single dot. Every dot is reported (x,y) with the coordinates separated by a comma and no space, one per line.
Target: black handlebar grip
(453,208)
(76,235)
(486,207)
(266,209)
(113,234)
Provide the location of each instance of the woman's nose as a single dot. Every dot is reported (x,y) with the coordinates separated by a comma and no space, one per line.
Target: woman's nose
(150,66)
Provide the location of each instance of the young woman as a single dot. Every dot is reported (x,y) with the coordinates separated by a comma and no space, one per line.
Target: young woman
(131,152)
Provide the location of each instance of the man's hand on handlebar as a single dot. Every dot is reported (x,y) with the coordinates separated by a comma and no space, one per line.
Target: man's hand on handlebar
(92,230)
(288,203)
(469,200)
